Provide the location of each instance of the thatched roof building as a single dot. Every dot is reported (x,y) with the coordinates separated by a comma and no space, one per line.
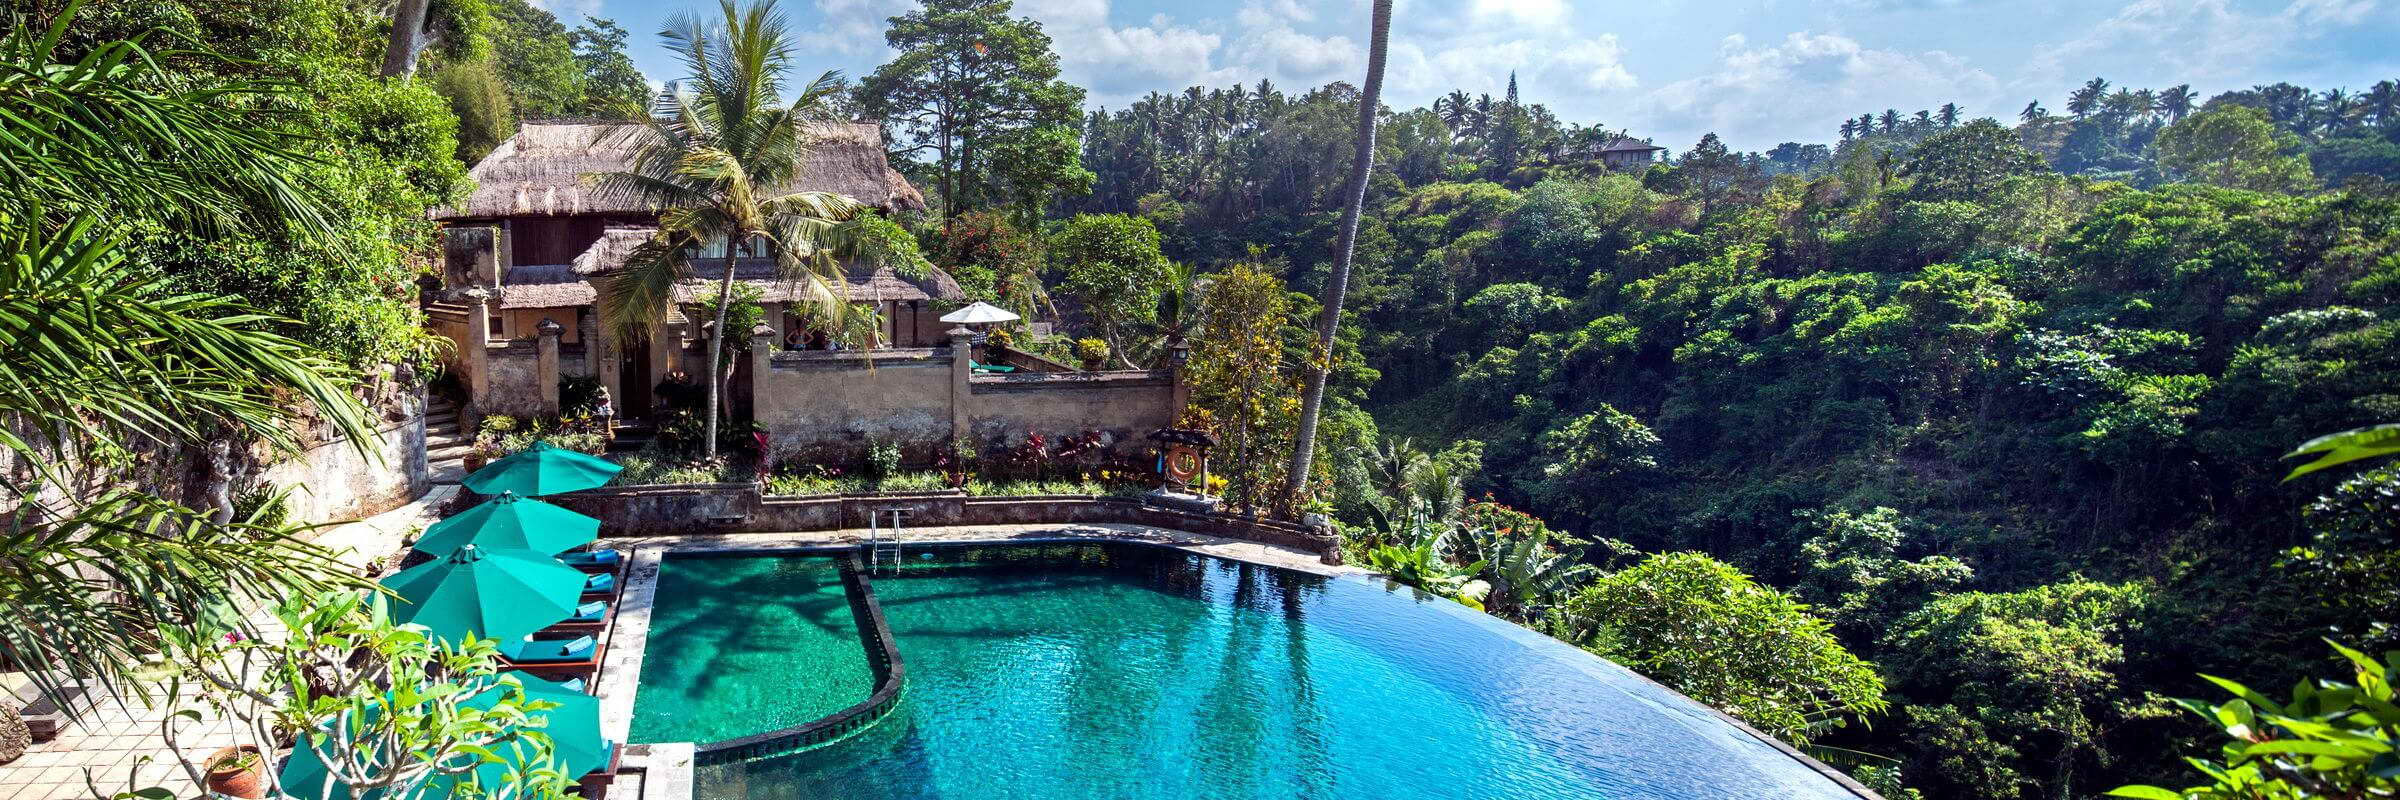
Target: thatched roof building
(540,172)
(570,285)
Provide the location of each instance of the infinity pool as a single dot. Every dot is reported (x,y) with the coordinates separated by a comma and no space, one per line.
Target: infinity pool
(1124,671)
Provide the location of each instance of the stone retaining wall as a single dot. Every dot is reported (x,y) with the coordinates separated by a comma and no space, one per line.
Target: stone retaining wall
(739,508)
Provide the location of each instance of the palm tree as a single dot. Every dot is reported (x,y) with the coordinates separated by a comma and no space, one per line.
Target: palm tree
(2085,99)
(1454,109)
(2381,104)
(2176,102)
(100,356)
(1949,114)
(1337,283)
(719,167)
(2033,111)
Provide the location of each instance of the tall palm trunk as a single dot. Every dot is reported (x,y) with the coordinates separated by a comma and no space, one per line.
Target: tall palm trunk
(716,351)
(1337,284)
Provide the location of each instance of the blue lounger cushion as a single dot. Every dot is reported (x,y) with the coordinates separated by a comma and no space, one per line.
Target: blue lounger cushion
(593,611)
(535,651)
(581,557)
(600,583)
(573,684)
(982,367)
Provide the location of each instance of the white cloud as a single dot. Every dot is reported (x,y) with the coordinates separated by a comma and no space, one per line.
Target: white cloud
(565,9)
(1806,85)
(854,27)
(2197,41)
(1519,12)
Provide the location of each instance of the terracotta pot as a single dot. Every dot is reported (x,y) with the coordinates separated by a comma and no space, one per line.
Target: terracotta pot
(473,461)
(249,781)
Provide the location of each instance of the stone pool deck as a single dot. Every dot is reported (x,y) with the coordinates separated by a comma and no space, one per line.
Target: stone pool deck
(117,743)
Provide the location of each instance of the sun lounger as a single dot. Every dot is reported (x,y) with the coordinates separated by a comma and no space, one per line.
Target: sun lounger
(554,659)
(589,617)
(983,367)
(594,560)
(603,583)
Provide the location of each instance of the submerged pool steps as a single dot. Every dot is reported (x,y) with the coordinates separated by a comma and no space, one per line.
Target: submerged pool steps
(883,662)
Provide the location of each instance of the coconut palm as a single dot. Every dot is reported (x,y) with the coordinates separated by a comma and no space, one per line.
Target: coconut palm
(2086,98)
(720,167)
(2033,111)
(2176,102)
(102,359)
(1337,283)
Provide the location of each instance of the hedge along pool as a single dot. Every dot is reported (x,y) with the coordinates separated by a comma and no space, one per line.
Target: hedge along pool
(1127,671)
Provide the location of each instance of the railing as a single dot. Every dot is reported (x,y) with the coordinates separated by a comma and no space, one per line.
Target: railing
(883,661)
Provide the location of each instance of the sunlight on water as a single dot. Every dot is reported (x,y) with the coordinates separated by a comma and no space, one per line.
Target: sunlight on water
(1129,672)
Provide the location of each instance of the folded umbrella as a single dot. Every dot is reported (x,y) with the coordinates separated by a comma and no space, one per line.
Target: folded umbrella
(510,522)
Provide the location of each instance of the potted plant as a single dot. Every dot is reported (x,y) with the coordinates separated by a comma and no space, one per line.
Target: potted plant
(237,771)
(1092,352)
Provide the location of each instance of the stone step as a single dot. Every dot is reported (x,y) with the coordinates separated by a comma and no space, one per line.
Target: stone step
(441,429)
(455,451)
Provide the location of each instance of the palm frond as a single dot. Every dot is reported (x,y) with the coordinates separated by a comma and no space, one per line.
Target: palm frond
(114,130)
(99,354)
(87,591)
(634,298)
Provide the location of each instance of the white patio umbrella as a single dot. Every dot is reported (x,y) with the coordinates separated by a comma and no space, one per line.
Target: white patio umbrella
(979,312)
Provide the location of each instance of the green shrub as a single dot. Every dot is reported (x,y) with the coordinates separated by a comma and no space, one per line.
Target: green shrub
(883,460)
(265,506)
(1091,351)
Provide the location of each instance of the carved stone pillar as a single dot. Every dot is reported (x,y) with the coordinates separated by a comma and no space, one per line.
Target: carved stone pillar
(962,362)
(474,358)
(545,369)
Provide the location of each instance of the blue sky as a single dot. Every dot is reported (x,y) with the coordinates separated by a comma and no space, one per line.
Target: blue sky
(1757,72)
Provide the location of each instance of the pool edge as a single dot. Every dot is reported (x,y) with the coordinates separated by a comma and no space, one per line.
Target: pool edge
(733,544)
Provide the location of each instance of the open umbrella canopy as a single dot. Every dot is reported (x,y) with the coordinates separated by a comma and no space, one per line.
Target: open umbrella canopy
(543,469)
(573,728)
(509,522)
(494,594)
(979,312)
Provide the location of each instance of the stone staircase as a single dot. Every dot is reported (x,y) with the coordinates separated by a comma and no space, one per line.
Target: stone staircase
(446,444)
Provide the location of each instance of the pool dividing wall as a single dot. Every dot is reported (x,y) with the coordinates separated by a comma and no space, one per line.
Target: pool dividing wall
(883,661)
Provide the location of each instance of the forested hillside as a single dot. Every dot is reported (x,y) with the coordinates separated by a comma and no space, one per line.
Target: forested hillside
(2001,404)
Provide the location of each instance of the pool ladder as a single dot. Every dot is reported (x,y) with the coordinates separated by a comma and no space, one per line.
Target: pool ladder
(880,547)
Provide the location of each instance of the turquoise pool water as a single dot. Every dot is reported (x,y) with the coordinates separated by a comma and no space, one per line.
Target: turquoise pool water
(1131,672)
(774,641)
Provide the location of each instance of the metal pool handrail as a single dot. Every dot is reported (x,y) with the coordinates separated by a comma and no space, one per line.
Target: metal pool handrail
(883,660)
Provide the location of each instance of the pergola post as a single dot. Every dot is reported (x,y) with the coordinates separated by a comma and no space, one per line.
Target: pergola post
(474,359)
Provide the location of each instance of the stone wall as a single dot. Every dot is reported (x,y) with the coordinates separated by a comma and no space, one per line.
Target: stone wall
(1127,406)
(328,480)
(733,508)
(334,482)
(514,389)
(827,406)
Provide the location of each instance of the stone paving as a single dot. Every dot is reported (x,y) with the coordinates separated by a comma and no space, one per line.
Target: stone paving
(111,740)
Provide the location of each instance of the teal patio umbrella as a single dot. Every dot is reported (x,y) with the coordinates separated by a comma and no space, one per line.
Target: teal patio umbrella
(573,728)
(543,469)
(510,522)
(493,593)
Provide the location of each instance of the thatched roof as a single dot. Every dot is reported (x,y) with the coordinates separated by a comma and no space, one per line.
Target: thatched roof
(570,285)
(540,171)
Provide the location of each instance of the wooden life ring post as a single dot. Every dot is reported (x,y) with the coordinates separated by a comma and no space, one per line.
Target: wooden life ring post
(1183,458)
